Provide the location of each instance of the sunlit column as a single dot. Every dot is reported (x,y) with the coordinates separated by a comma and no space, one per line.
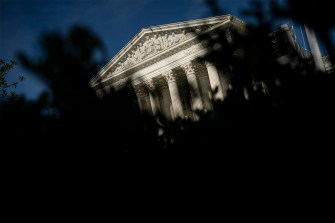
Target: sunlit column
(316,53)
(174,93)
(151,87)
(214,81)
(192,81)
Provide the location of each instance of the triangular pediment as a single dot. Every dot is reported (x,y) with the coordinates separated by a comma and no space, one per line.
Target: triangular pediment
(154,40)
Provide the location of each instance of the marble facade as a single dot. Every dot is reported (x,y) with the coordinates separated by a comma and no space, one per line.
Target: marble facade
(162,64)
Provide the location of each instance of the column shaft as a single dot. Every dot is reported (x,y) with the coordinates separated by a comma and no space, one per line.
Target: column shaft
(153,102)
(175,98)
(214,80)
(192,81)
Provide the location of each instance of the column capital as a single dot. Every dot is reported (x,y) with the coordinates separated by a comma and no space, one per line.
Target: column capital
(137,88)
(208,63)
(150,84)
(169,77)
(188,68)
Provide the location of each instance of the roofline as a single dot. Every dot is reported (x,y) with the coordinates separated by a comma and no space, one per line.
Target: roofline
(104,69)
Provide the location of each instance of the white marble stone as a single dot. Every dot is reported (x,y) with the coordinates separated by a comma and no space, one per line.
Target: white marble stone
(155,52)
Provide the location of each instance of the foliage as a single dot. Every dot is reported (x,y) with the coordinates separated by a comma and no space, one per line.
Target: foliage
(79,158)
(5,93)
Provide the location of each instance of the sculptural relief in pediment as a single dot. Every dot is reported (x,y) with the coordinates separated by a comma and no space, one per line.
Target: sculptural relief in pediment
(154,43)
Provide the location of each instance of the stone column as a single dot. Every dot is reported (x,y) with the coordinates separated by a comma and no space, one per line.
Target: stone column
(214,80)
(151,88)
(314,46)
(138,96)
(164,97)
(175,98)
(192,81)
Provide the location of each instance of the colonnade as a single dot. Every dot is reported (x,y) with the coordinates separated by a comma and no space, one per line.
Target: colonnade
(204,85)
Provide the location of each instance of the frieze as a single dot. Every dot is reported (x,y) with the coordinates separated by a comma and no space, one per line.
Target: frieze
(154,66)
(154,44)
(195,48)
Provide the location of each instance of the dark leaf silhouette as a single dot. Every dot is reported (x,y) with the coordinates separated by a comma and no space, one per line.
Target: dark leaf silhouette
(264,153)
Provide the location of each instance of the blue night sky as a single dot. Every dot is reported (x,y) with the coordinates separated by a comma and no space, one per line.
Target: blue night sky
(115,21)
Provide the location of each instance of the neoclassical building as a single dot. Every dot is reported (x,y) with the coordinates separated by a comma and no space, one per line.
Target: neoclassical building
(162,63)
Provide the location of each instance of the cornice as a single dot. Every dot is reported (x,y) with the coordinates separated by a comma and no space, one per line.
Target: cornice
(155,30)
